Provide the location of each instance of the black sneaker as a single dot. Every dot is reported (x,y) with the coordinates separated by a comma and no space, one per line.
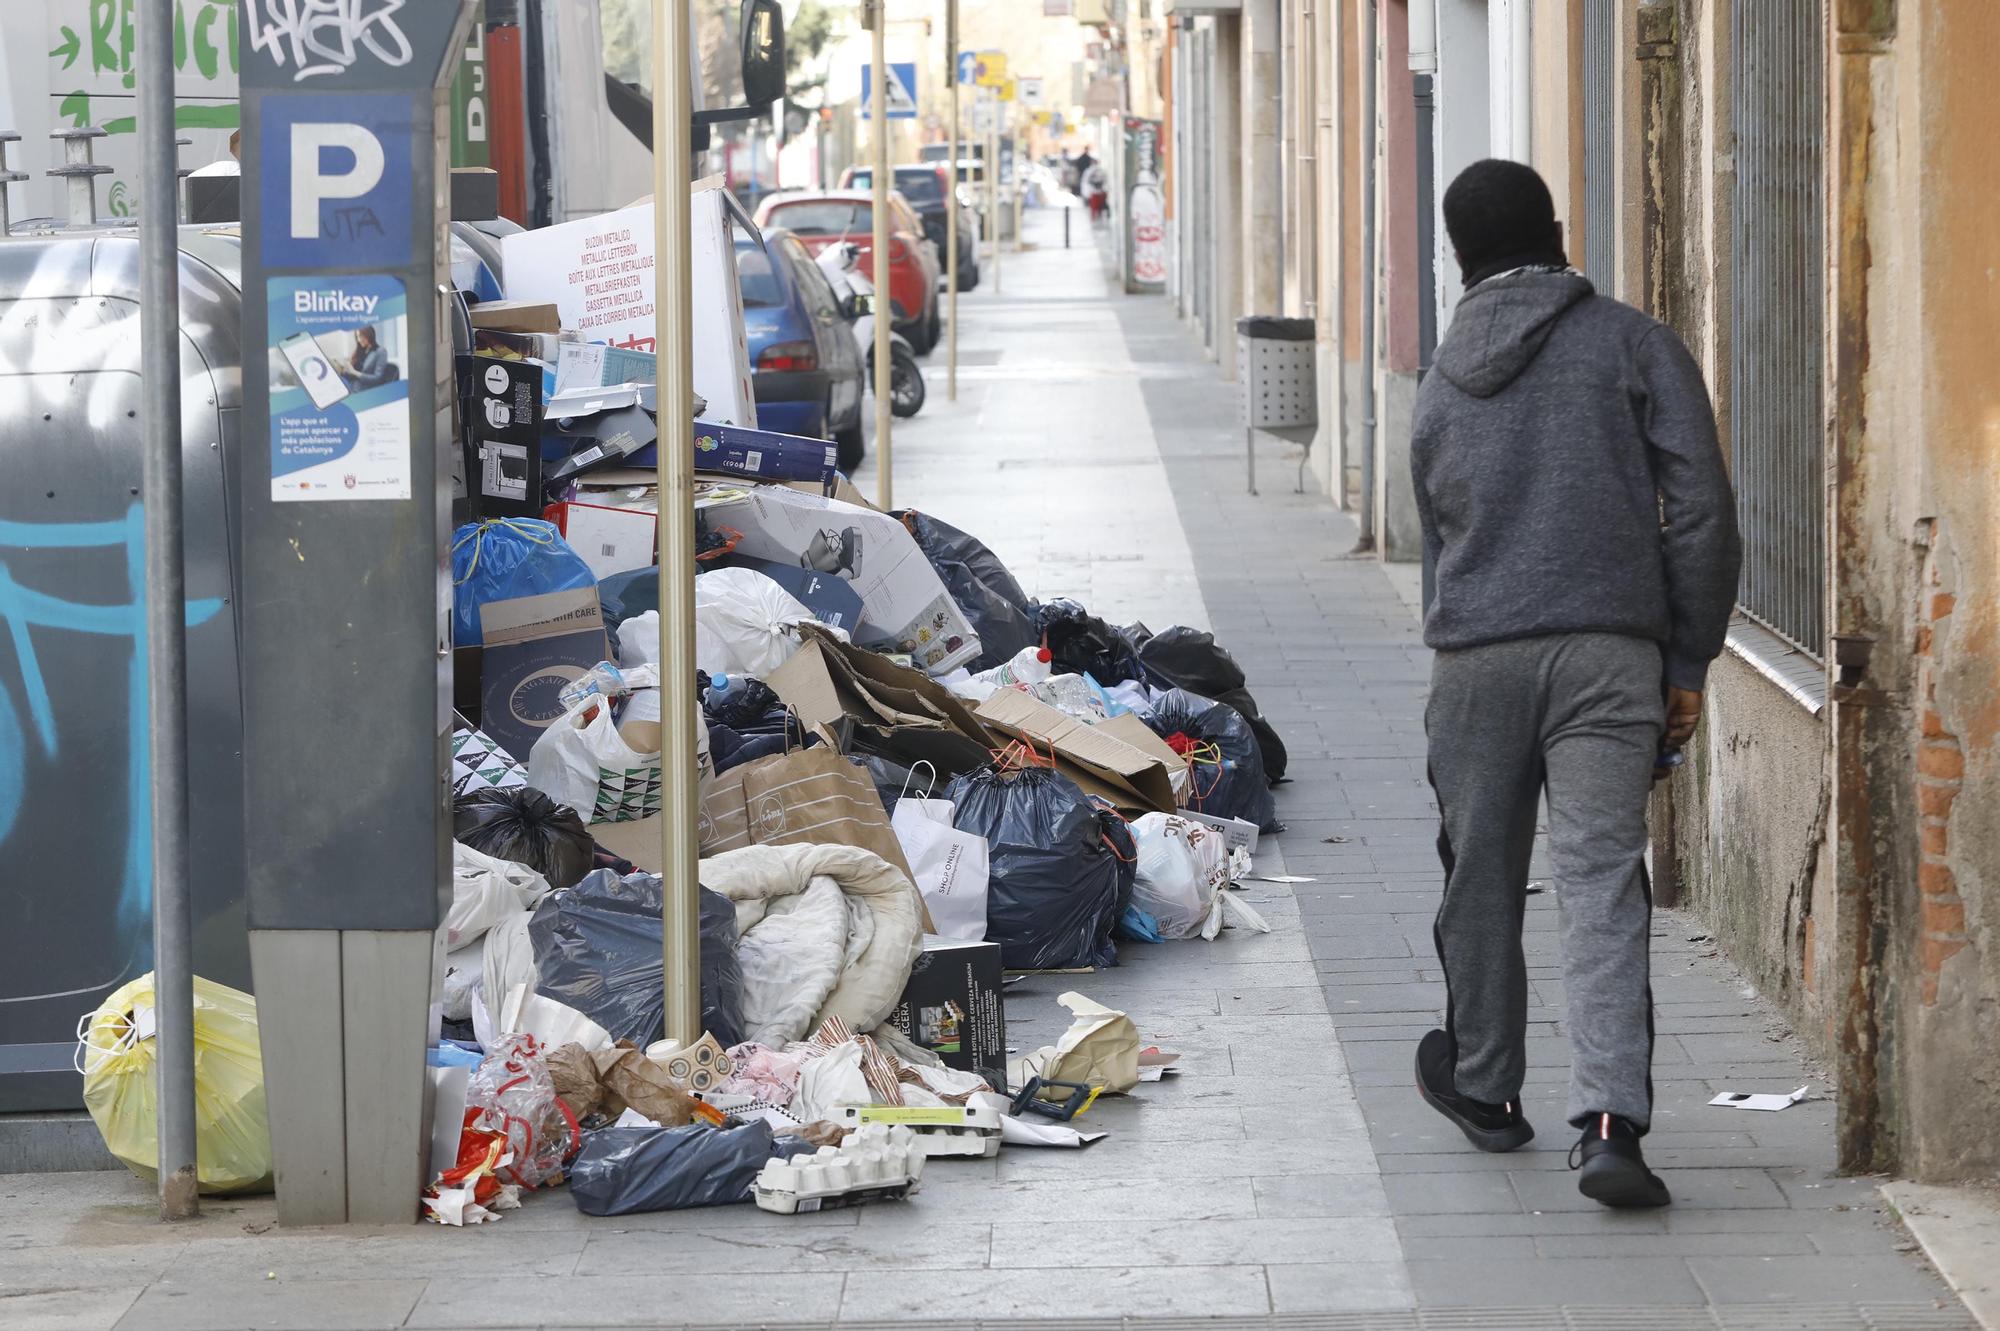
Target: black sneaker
(1489,1127)
(1613,1171)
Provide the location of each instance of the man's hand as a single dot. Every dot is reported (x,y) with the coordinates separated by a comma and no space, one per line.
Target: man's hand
(1683,712)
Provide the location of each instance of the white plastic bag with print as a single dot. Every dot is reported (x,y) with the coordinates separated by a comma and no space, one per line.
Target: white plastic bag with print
(1182,872)
(950,865)
(583,762)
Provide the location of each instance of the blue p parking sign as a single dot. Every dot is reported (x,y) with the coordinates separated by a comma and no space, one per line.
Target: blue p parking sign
(335,181)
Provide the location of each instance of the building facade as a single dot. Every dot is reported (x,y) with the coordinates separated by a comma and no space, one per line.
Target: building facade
(1803,190)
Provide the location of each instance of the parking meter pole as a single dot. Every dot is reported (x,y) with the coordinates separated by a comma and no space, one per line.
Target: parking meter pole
(673,302)
(951,204)
(166,612)
(344,604)
(878,151)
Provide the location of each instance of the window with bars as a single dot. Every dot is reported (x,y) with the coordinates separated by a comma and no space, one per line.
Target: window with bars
(1600,125)
(1777,315)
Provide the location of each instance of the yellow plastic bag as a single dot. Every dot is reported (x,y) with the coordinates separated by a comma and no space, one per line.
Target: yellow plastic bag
(116,1055)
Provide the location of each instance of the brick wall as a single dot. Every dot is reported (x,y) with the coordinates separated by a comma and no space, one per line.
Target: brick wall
(1940,776)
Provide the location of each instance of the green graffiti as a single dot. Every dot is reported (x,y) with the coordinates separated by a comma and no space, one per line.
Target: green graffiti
(77,107)
(119,204)
(71,48)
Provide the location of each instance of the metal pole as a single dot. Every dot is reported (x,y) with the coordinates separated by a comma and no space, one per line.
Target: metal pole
(673,303)
(166,610)
(1368,114)
(992,173)
(951,205)
(878,152)
(1020,176)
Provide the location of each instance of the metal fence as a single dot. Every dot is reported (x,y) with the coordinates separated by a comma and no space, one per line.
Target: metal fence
(1600,129)
(1778,318)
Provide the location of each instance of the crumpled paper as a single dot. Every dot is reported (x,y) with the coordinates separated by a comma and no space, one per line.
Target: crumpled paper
(1100,1048)
(608,1081)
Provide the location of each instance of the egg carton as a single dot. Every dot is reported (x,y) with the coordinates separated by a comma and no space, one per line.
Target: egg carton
(877,1162)
(963,1131)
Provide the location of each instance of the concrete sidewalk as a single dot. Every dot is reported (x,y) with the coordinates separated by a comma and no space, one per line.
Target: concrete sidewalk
(1290,1172)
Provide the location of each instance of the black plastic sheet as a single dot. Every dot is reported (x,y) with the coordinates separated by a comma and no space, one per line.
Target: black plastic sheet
(980,585)
(524,825)
(598,949)
(1054,887)
(623,1171)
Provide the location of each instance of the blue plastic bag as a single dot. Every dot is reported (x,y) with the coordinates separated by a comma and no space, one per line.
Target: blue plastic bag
(503,558)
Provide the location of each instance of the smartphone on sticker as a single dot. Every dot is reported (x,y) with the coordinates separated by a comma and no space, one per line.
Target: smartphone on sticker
(314,368)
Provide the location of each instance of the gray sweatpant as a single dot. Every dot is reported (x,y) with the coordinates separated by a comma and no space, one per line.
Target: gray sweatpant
(1580,715)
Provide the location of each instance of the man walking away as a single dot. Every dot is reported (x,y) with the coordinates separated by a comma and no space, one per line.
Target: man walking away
(1573,496)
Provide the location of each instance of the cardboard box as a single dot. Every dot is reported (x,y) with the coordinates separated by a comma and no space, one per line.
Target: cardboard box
(595,365)
(1102,764)
(610,540)
(517,316)
(535,647)
(1139,735)
(1237,833)
(762,455)
(544,347)
(953,1006)
(504,407)
(890,708)
(606,438)
(903,601)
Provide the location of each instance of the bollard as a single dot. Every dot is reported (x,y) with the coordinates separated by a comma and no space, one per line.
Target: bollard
(1066,213)
(81,172)
(7,177)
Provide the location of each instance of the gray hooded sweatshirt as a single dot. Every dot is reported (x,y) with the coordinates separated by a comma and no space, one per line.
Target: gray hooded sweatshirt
(1556,431)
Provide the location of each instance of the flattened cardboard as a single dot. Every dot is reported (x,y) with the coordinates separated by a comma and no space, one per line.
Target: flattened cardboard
(517,316)
(535,647)
(1101,764)
(827,679)
(1140,736)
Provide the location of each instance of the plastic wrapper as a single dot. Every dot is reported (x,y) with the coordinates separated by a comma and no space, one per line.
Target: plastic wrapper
(1083,644)
(1053,882)
(505,558)
(117,1056)
(524,825)
(1182,869)
(597,949)
(1185,658)
(748,707)
(623,1171)
(1226,768)
(513,1097)
(999,611)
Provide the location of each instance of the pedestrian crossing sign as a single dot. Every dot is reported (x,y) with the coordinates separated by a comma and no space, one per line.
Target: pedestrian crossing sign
(901,92)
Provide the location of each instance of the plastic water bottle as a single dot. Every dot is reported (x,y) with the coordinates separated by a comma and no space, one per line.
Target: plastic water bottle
(603,680)
(718,689)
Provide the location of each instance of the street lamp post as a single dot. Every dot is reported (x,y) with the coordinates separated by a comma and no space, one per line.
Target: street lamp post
(884,305)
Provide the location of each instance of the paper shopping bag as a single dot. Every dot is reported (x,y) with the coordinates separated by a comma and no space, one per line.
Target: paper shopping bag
(949,866)
(811,795)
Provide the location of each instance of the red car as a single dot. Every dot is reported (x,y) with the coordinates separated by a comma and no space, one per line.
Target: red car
(819,218)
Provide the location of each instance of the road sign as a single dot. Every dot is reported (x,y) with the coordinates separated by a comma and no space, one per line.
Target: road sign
(991,69)
(1030,91)
(1041,117)
(968,67)
(1007,90)
(902,90)
(984,118)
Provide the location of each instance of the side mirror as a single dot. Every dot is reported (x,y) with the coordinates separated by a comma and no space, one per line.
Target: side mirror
(859,305)
(763,52)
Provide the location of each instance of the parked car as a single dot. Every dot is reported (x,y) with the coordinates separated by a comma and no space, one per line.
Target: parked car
(806,372)
(927,185)
(821,217)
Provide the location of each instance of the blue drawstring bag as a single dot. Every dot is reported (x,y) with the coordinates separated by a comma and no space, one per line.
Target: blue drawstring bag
(503,558)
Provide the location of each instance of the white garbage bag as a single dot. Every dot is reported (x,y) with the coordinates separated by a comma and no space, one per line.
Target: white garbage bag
(583,762)
(743,625)
(1183,870)
(484,890)
(950,866)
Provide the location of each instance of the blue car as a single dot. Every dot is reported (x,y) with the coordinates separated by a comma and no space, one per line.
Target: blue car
(806,370)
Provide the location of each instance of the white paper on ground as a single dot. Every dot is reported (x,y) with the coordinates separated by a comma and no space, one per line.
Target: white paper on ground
(1770,1104)
(1021,1132)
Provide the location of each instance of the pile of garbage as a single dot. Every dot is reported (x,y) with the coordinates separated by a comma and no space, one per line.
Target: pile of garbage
(913,779)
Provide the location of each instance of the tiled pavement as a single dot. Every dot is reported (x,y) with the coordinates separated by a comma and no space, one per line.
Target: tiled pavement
(1291,1177)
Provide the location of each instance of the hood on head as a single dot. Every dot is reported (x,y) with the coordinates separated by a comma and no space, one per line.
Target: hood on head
(1500,326)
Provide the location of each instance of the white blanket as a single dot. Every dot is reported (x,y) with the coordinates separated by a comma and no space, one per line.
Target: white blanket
(826,931)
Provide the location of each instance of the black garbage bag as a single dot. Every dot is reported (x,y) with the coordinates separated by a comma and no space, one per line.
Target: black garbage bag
(597,948)
(1118,835)
(1081,643)
(524,825)
(624,596)
(1185,658)
(1227,774)
(622,1171)
(1053,886)
(748,706)
(980,585)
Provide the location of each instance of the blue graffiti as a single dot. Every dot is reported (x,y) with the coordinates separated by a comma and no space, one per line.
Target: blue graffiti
(23,608)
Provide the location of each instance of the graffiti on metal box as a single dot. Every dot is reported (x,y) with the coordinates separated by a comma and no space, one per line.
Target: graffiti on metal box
(321,37)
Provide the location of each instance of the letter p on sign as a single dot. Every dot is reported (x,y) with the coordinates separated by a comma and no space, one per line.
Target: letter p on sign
(313,183)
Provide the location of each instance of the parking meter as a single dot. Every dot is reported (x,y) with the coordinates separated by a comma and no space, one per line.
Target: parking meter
(346,584)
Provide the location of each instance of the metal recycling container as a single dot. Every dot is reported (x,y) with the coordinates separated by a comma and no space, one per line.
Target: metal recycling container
(1275,366)
(76,914)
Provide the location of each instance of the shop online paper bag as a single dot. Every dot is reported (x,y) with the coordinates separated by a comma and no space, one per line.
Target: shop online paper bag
(950,866)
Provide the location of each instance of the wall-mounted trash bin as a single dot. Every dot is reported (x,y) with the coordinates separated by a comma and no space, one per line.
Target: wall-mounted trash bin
(1275,367)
